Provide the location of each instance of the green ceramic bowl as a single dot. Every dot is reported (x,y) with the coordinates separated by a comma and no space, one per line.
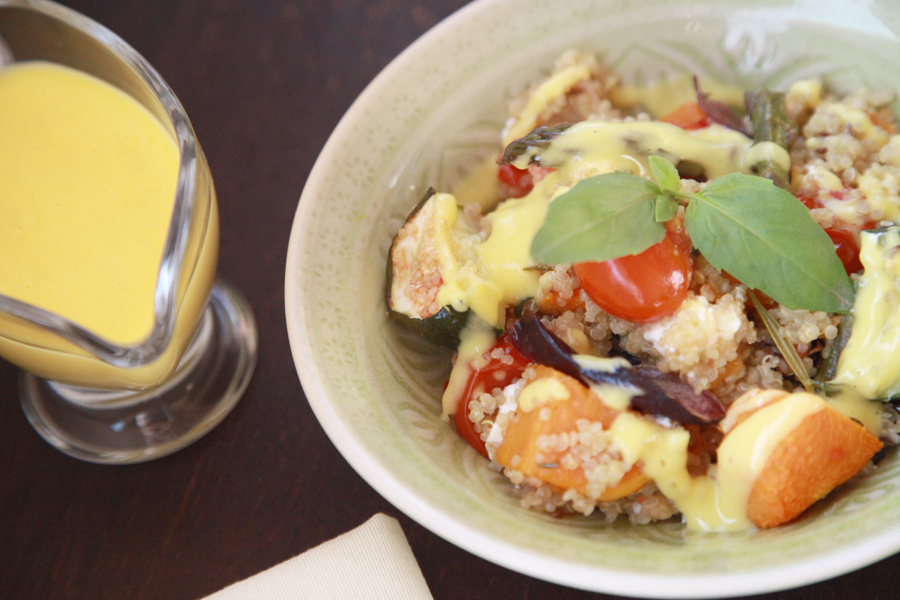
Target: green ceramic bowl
(431,115)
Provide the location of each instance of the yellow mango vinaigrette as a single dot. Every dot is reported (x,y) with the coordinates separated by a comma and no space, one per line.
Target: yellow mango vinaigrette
(87,186)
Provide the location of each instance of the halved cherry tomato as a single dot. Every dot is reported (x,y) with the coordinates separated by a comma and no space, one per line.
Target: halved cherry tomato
(810,203)
(641,287)
(842,235)
(847,250)
(518,182)
(493,375)
(688,116)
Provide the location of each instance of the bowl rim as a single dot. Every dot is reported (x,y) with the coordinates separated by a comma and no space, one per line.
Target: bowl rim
(796,573)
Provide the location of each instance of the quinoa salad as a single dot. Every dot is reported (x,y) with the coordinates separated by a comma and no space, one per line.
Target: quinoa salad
(674,301)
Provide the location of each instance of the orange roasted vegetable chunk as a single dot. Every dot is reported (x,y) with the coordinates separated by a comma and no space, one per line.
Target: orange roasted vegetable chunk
(552,303)
(822,452)
(572,402)
(688,116)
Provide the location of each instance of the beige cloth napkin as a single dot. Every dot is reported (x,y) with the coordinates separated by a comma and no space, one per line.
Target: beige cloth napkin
(372,562)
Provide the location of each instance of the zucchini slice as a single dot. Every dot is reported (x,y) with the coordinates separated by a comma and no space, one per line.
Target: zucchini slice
(423,251)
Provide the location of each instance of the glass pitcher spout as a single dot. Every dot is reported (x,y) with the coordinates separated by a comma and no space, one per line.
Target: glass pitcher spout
(109,235)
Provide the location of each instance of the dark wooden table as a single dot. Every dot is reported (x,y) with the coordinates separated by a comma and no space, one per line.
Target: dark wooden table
(264,82)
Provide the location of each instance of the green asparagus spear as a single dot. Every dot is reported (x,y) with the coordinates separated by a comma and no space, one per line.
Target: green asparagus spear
(832,351)
(770,124)
(539,138)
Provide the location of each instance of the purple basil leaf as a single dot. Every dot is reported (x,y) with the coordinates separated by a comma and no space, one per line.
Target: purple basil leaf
(675,398)
(663,394)
(719,112)
(538,344)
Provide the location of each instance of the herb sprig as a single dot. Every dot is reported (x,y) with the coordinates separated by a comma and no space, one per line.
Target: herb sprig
(743,224)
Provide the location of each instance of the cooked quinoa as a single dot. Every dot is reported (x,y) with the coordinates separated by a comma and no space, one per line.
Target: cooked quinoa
(845,165)
(849,150)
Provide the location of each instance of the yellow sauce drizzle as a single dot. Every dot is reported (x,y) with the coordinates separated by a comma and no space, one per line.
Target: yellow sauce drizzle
(663,97)
(767,152)
(554,87)
(476,338)
(480,186)
(718,501)
(615,396)
(542,391)
(869,363)
(502,277)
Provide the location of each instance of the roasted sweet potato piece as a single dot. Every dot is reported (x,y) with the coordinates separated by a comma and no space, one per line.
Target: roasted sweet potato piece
(630,483)
(823,451)
(552,303)
(521,449)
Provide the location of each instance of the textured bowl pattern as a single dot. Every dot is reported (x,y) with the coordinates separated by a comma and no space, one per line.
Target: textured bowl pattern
(427,119)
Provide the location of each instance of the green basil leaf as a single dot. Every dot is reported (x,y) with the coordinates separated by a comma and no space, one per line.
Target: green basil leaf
(600,218)
(665,174)
(666,207)
(766,238)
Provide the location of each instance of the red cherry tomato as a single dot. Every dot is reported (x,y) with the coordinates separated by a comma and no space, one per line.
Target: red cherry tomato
(688,116)
(810,203)
(847,251)
(518,182)
(642,287)
(843,235)
(493,375)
